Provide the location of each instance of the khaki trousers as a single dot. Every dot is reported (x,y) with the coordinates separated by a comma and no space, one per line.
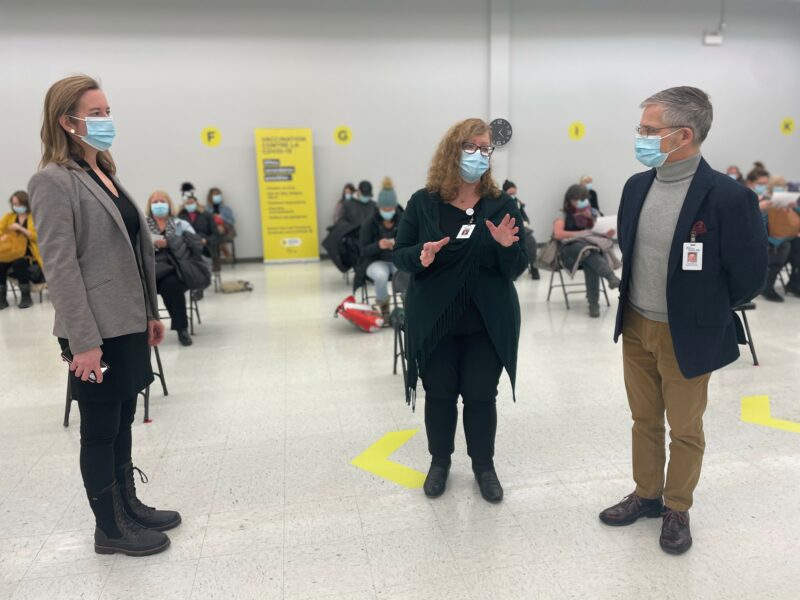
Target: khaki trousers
(656,386)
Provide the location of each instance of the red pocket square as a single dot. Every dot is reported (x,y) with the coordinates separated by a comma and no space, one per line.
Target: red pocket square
(699,228)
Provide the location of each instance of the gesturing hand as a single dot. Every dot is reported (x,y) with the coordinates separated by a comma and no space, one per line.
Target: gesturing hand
(504,234)
(430,249)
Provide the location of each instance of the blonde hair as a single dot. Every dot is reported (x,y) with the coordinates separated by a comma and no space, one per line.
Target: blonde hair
(62,100)
(444,174)
(387,184)
(777,180)
(161,195)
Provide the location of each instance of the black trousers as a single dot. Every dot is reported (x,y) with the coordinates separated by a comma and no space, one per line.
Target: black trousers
(466,364)
(105,441)
(21,270)
(173,291)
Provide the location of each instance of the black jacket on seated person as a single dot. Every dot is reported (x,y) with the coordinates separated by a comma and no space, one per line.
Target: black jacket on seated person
(203,224)
(704,329)
(476,270)
(371,232)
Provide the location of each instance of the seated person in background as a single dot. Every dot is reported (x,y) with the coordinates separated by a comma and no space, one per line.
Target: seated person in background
(203,223)
(224,220)
(579,247)
(376,240)
(510,188)
(164,225)
(587,182)
(362,207)
(19,252)
(734,173)
(783,228)
(348,194)
(758,181)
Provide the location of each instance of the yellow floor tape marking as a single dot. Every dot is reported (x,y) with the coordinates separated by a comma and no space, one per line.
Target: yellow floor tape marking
(755,409)
(375,460)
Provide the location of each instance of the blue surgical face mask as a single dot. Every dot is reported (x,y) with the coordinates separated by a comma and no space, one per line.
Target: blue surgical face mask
(778,189)
(216,198)
(365,199)
(100,132)
(648,149)
(159,209)
(733,176)
(20,210)
(588,186)
(760,189)
(583,204)
(388,215)
(473,166)
(348,196)
(190,207)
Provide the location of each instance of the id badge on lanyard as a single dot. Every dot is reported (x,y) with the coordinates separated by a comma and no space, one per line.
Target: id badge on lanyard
(466,230)
(693,255)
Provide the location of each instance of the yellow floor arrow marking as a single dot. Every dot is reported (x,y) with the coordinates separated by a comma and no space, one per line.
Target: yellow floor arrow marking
(375,460)
(755,409)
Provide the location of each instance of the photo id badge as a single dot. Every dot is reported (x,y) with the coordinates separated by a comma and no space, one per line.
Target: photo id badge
(465,232)
(692,256)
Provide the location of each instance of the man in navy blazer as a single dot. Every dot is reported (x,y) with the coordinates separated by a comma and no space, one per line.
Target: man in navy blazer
(693,247)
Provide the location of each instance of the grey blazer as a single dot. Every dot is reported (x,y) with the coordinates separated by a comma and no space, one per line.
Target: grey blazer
(100,286)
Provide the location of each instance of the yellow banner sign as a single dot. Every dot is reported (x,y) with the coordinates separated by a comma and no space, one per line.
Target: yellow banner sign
(285,162)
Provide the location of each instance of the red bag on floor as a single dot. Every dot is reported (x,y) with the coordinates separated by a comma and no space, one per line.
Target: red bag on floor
(360,315)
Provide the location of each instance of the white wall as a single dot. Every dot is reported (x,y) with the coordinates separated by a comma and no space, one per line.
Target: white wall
(398,73)
(596,60)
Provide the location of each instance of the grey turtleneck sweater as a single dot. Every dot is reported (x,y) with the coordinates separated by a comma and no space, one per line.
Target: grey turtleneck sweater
(657,222)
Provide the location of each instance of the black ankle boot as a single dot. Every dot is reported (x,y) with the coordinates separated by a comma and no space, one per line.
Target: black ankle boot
(25,300)
(3,301)
(489,484)
(535,273)
(436,481)
(142,515)
(116,532)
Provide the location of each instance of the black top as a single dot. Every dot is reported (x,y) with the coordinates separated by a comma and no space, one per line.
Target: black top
(126,209)
(371,232)
(521,206)
(28,251)
(451,218)
(387,234)
(476,270)
(593,201)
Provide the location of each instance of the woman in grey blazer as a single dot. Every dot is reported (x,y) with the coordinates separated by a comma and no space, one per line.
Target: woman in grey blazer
(98,261)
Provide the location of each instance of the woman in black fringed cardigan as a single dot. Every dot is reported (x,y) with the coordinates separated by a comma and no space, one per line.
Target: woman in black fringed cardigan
(459,238)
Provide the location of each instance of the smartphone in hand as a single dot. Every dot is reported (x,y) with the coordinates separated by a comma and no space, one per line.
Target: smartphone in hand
(66,356)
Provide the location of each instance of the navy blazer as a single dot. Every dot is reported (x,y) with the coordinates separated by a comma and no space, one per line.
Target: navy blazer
(705,330)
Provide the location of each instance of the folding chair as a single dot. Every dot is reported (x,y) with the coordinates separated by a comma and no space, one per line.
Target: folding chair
(743,308)
(36,288)
(563,285)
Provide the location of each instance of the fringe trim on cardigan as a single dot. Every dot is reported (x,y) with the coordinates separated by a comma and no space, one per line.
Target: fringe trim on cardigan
(446,321)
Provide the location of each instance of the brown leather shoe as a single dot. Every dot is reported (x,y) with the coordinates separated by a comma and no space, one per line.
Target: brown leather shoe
(676,537)
(630,509)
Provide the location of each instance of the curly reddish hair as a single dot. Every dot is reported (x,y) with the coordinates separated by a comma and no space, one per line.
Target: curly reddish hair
(444,174)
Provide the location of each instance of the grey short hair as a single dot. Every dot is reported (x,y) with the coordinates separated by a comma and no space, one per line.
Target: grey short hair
(686,107)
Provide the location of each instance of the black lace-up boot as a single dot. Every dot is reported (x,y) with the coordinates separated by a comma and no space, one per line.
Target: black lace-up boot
(116,532)
(143,515)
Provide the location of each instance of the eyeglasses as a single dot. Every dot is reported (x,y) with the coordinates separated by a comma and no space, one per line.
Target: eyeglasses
(471,148)
(646,131)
